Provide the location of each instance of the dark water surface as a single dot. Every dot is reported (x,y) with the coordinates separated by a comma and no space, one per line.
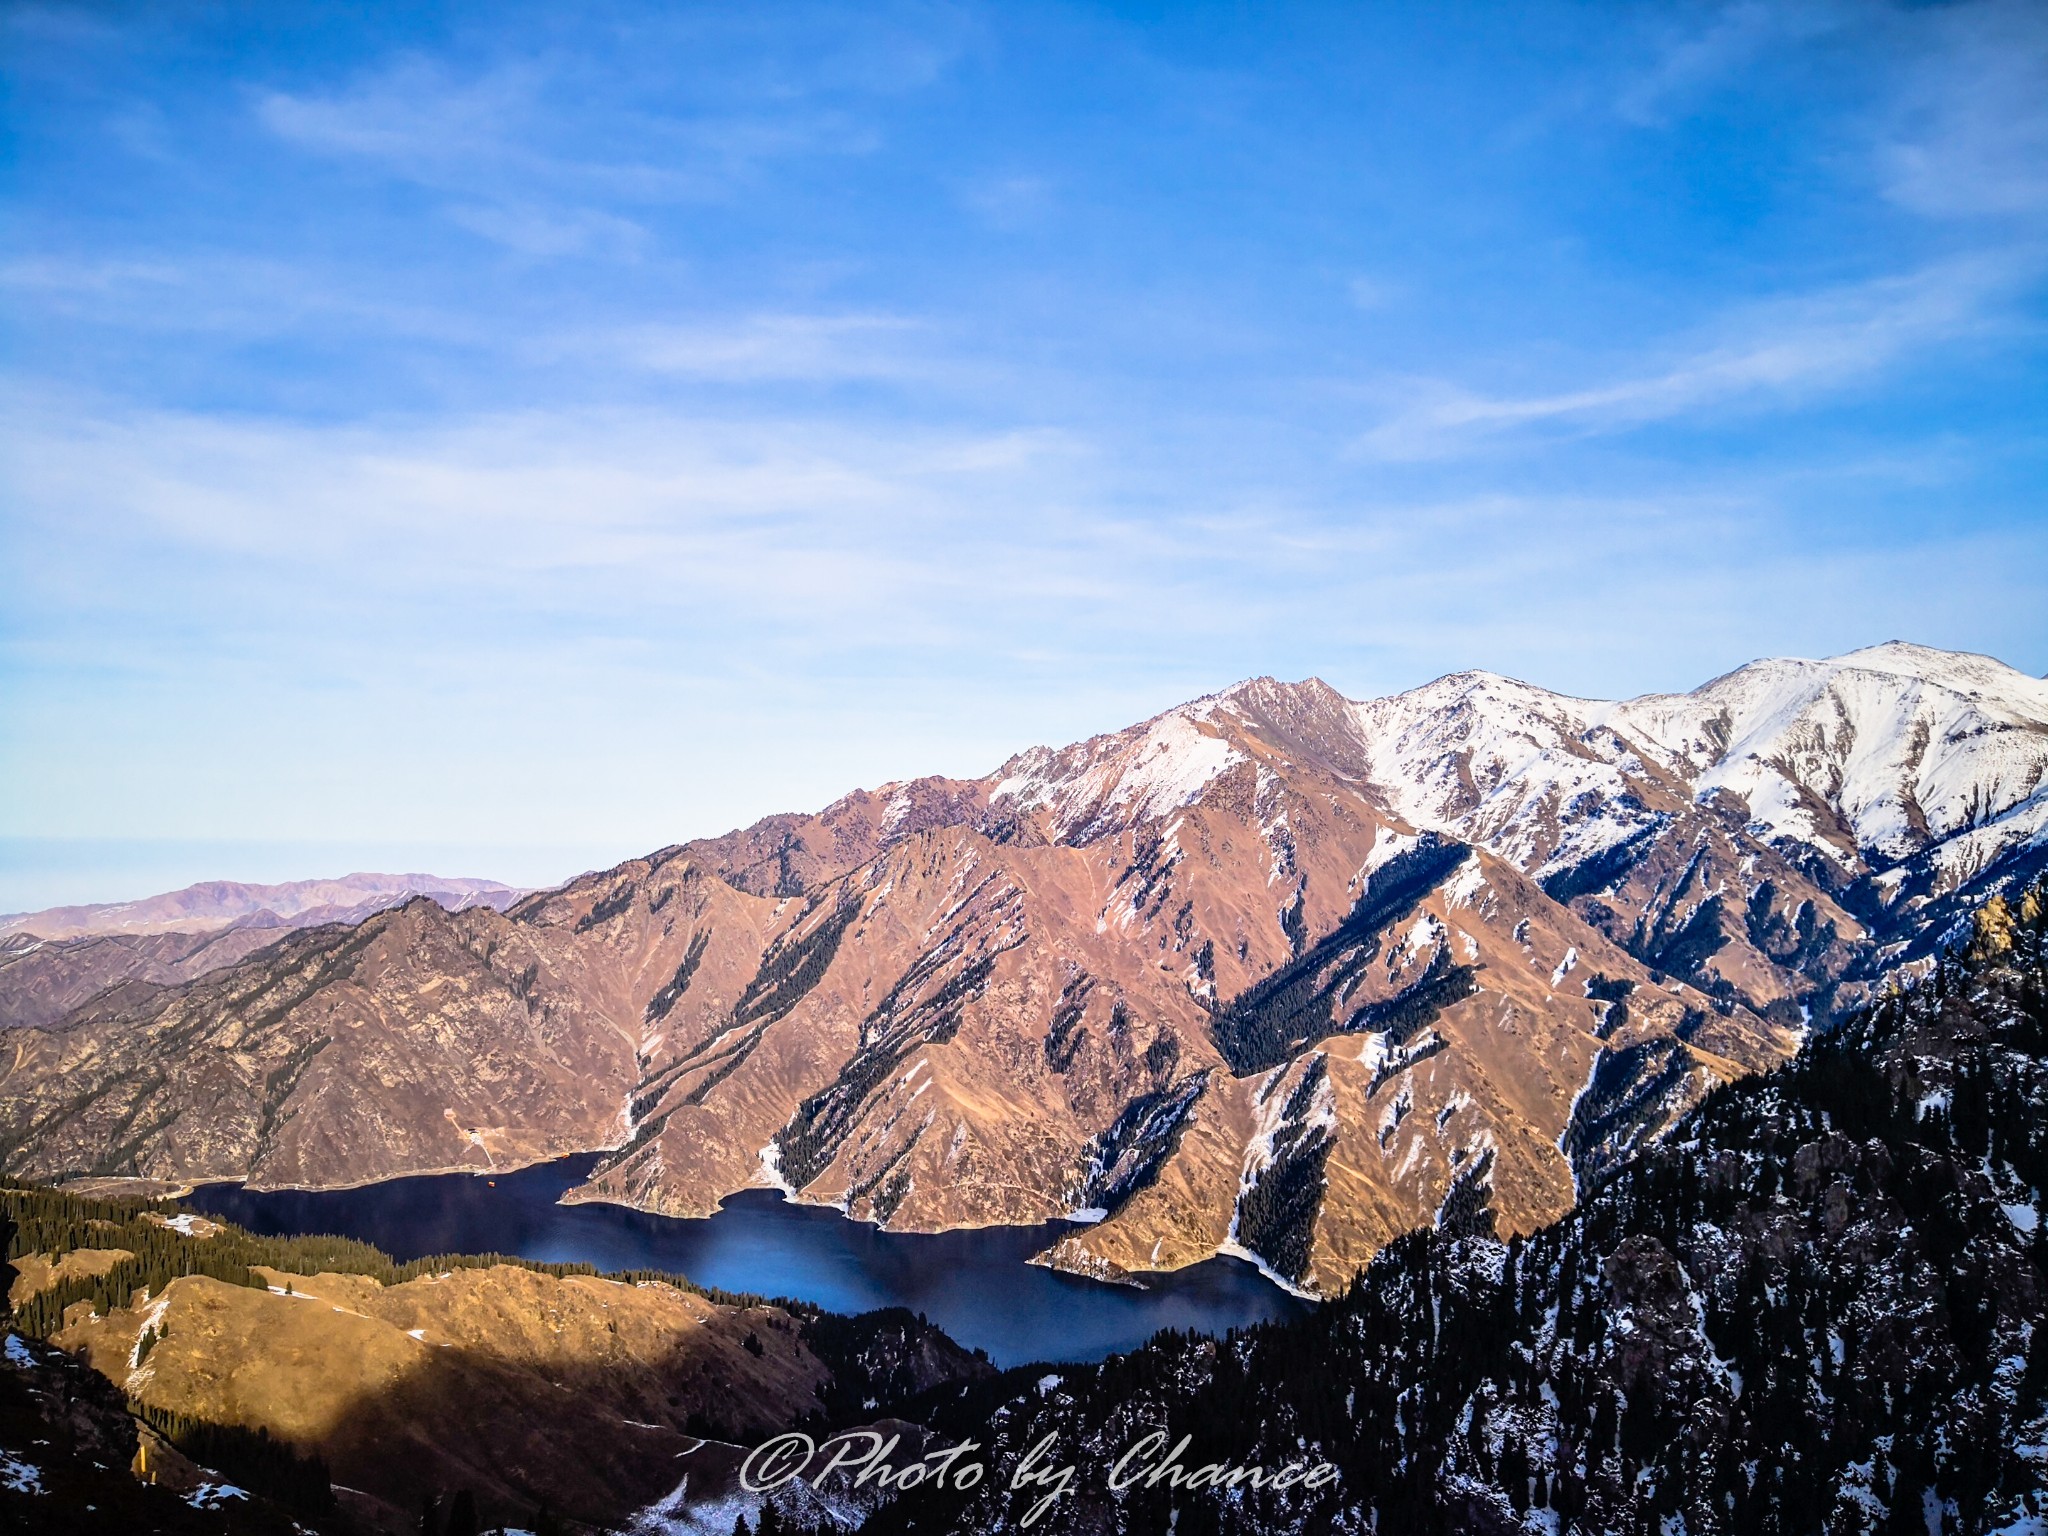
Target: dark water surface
(974,1284)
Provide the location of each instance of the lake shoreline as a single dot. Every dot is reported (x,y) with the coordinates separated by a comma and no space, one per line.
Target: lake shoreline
(978,1284)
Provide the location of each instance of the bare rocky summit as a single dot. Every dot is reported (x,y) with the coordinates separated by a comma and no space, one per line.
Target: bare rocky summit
(1276,972)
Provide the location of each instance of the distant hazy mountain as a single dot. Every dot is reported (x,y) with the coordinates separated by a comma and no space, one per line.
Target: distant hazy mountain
(1276,972)
(55,960)
(220,903)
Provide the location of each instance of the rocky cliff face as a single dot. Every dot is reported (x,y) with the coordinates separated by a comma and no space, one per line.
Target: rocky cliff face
(1820,1305)
(1276,972)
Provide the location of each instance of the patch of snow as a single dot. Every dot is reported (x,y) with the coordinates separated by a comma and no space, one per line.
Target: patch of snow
(1409,1159)
(1322,1114)
(1917,752)
(1466,884)
(1422,932)
(1235,1250)
(2024,1525)
(1089,1215)
(152,1322)
(1564,966)
(1571,1113)
(771,1170)
(18,1476)
(1148,771)
(1387,844)
(896,809)
(214,1495)
(18,1355)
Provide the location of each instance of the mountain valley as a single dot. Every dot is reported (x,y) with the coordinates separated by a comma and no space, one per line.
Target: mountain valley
(1275,973)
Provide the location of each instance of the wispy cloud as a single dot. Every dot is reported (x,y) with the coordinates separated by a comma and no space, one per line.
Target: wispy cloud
(703,508)
(231,297)
(483,141)
(801,348)
(1957,128)
(1009,203)
(425,124)
(1370,293)
(1968,133)
(535,231)
(527,165)
(412,114)
(1960,123)
(49,275)
(1785,352)
(1693,61)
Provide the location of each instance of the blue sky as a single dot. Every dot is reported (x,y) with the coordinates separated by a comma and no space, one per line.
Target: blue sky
(504,439)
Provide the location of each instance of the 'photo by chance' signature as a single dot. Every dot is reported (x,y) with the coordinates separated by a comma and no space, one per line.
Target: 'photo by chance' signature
(863,1456)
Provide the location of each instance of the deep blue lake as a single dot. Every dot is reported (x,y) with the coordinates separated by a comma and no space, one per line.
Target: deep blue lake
(974,1284)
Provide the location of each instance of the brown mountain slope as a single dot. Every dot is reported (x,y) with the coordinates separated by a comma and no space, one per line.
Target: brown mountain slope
(1020,1018)
(1274,972)
(420,1039)
(41,980)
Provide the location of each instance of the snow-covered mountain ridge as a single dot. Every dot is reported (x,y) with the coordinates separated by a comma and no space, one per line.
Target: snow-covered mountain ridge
(1275,971)
(1906,771)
